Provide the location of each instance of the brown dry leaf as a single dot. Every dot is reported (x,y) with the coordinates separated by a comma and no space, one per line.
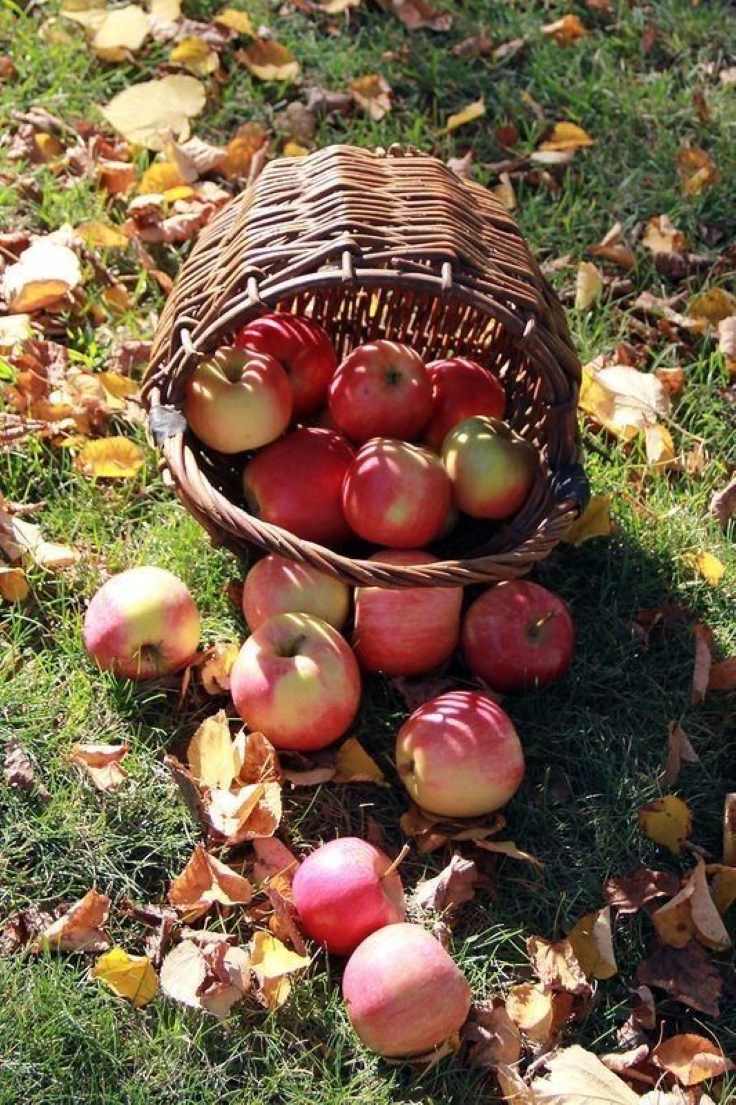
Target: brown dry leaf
(215,671)
(193,159)
(159,918)
(116,177)
(147,114)
(697,170)
(660,448)
(208,975)
(41,277)
(275,864)
(102,763)
(493,1037)
(727,342)
(310,777)
(566,136)
(588,285)
(620,1062)
(112,458)
(454,885)
(595,521)
(195,55)
(119,387)
(537,1012)
(672,378)
(661,236)
(691,1059)
(269,60)
(628,893)
(415,14)
(723,504)
(692,913)
(128,976)
(679,751)
(468,114)
(714,306)
(80,928)
(667,821)
(612,247)
(503,191)
(565,31)
(21,540)
(507,848)
(240,150)
(204,882)
(622,399)
(17,768)
(723,886)
(706,565)
(722,676)
(373,94)
(703,660)
(556,965)
(251,811)
(13,584)
(688,974)
(577,1077)
(257,761)
(354,765)
(463,167)
(101,235)
(236,20)
(592,943)
(121,32)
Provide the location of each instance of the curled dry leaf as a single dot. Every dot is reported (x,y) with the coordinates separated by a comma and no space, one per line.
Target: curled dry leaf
(588,285)
(269,60)
(101,235)
(41,277)
(354,765)
(493,1037)
(595,521)
(679,751)
(210,975)
(159,918)
(667,821)
(468,114)
(577,1077)
(373,94)
(697,170)
(556,965)
(592,942)
(128,976)
(612,247)
(660,448)
(211,753)
(204,882)
(415,14)
(102,763)
(275,863)
(622,399)
(236,20)
(17,768)
(713,305)
(80,928)
(688,974)
(692,913)
(723,503)
(503,191)
(566,136)
(454,885)
(621,1061)
(257,759)
(661,236)
(250,811)
(310,777)
(629,893)
(431,832)
(272,963)
(691,1059)
(21,540)
(241,150)
(112,458)
(727,342)
(703,660)
(463,167)
(475,46)
(722,676)
(538,1013)
(508,848)
(215,671)
(566,30)
(672,378)
(723,886)
(729,830)
(147,114)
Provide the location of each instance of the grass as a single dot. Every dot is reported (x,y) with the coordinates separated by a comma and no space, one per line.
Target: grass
(594,742)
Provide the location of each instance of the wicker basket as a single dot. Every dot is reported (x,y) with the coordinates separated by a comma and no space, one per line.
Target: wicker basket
(376,244)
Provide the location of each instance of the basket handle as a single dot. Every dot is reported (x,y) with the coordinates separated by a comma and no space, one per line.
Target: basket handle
(569,484)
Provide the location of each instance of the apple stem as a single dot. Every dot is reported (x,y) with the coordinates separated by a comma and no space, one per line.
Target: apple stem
(399,859)
(541,622)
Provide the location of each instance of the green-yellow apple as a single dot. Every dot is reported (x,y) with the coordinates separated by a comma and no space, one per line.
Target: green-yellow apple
(458,755)
(238,400)
(460,389)
(297,681)
(492,469)
(405,630)
(277,585)
(142,623)
(404,994)
(381,389)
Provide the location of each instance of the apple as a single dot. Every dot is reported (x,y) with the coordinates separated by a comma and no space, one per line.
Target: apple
(381,390)
(403,992)
(405,630)
(302,347)
(518,635)
(142,623)
(342,893)
(296,483)
(492,469)
(296,680)
(238,400)
(396,494)
(460,389)
(458,755)
(277,585)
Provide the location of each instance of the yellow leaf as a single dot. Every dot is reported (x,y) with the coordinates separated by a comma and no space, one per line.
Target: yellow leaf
(14,330)
(692,1059)
(660,447)
(241,149)
(115,296)
(714,306)
(723,887)
(114,458)
(595,521)
(567,136)
(373,94)
(167,10)
(707,565)
(275,992)
(215,671)
(102,235)
(197,56)
(43,274)
(159,177)
(592,943)
(48,146)
(504,192)
(565,31)
(269,60)
(667,821)
(271,959)
(692,912)
(122,30)
(122,387)
(13,584)
(354,765)
(538,1012)
(294,149)
(697,170)
(211,753)
(588,285)
(661,236)
(129,976)
(236,20)
(147,113)
(473,111)
(577,1077)
(622,399)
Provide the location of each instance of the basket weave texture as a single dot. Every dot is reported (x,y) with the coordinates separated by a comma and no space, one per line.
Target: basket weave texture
(374,244)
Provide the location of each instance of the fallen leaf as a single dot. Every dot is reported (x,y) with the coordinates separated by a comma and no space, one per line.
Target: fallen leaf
(13,584)
(595,521)
(17,768)
(196,55)
(577,1077)
(688,974)
(566,136)
(679,751)
(114,458)
(661,236)
(128,976)
(707,565)
(621,1062)
(272,962)
(628,893)
(468,114)
(169,10)
(116,177)
(672,378)
(80,928)
(373,94)
(702,665)
(251,811)
(475,46)
(20,539)
(508,50)
(41,277)
(692,1059)
(102,763)
(727,342)
(723,886)
(159,918)
(206,975)
(556,965)
(537,1012)
(269,60)
(101,235)
(159,177)
(697,170)
(122,31)
(274,863)
(236,20)
(240,150)
(492,1036)
(215,671)
(310,777)
(566,30)
(588,285)
(612,247)
(667,821)
(257,761)
(454,885)
(660,448)
(206,881)
(415,14)
(692,913)
(14,330)
(503,191)
(714,306)
(508,848)
(722,676)
(723,504)
(148,113)
(463,167)
(183,972)
(354,765)
(592,943)
(622,399)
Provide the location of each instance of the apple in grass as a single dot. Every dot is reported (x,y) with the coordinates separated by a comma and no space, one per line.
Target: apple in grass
(381,389)
(404,994)
(492,468)
(396,494)
(142,623)
(458,755)
(303,349)
(297,681)
(405,630)
(296,483)
(518,635)
(461,388)
(344,891)
(238,400)
(277,585)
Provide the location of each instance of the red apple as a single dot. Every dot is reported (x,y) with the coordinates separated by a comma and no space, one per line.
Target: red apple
(302,347)
(238,400)
(142,623)
(396,494)
(492,469)
(296,680)
(405,630)
(342,893)
(277,585)
(460,389)
(458,755)
(296,483)
(381,390)
(403,992)
(518,635)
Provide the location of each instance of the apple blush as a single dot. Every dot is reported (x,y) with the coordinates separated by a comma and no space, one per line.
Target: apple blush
(277,585)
